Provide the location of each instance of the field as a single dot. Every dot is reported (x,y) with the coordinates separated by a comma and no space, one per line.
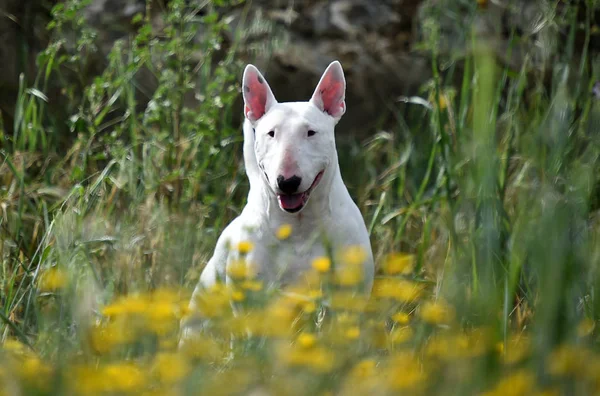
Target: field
(482,203)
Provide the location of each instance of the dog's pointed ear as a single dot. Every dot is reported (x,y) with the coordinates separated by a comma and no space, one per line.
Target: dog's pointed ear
(258,97)
(330,94)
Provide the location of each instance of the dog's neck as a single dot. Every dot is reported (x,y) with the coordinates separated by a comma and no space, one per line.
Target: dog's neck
(263,200)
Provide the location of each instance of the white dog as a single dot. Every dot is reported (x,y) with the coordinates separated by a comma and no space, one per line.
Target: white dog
(292,165)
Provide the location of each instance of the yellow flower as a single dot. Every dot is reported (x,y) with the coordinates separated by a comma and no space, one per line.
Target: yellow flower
(353,333)
(516,349)
(104,337)
(585,327)
(401,335)
(436,312)
(306,340)
(350,275)
(53,279)
(16,347)
(34,371)
(170,367)
(398,263)
(569,360)
(346,300)
(309,307)
(458,346)
(212,302)
(123,377)
(238,296)
(402,318)
(240,269)
(115,378)
(200,346)
(252,285)
(313,357)
(162,311)
(520,383)
(322,264)
(404,372)
(398,289)
(354,255)
(364,368)
(133,304)
(244,247)
(284,232)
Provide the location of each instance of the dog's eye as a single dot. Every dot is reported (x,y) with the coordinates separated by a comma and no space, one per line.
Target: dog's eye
(311,132)
(271,133)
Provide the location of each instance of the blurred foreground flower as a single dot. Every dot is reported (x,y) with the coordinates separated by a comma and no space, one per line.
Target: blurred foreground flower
(436,312)
(284,232)
(53,279)
(321,264)
(398,263)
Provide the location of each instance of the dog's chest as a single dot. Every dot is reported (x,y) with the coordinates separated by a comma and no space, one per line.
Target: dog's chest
(285,261)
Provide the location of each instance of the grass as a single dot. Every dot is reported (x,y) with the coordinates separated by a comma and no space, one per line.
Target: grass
(482,204)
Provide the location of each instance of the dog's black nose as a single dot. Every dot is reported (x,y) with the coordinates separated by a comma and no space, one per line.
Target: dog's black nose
(288,186)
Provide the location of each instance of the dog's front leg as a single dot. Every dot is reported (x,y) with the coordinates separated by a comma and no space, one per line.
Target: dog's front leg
(214,271)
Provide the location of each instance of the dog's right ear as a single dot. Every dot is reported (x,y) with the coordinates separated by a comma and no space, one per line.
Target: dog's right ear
(258,97)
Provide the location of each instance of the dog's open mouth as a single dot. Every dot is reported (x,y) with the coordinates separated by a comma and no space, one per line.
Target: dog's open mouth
(293,203)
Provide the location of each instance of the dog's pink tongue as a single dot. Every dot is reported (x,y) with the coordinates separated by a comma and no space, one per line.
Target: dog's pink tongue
(290,201)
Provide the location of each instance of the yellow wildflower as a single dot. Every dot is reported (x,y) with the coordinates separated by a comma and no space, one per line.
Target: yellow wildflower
(436,312)
(585,327)
(364,368)
(315,358)
(402,318)
(345,300)
(569,360)
(309,307)
(284,232)
(162,311)
(244,247)
(349,275)
(241,269)
(457,346)
(398,289)
(353,333)
(404,372)
(34,371)
(516,349)
(398,263)
(123,377)
(104,337)
(322,264)
(53,279)
(252,285)
(306,340)
(170,367)
(354,255)
(201,347)
(16,347)
(238,296)
(401,335)
(212,302)
(520,383)
(133,304)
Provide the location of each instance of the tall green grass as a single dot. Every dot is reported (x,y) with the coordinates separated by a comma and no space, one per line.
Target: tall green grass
(490,179)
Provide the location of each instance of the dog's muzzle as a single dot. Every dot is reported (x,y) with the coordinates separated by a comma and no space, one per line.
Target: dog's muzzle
(293,203)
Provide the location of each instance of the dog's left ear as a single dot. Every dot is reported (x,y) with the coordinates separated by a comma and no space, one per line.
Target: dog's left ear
(331,91)
(258,97)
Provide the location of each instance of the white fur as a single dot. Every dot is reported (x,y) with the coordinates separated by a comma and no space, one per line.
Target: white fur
(330,212)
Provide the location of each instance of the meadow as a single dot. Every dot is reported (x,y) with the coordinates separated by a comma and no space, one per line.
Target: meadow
(482,203)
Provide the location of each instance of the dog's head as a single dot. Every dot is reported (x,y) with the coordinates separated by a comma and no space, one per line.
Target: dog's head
(294,143)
